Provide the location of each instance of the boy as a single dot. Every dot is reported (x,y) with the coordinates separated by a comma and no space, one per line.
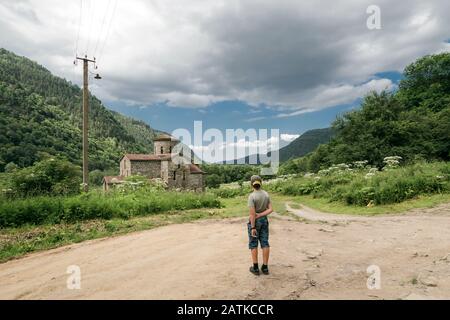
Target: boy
(258,225)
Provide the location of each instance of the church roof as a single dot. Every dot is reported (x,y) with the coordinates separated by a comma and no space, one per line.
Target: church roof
(195,169)
(147,157)
(165,137)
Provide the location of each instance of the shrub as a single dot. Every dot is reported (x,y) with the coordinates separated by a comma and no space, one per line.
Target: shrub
(46,209)
(227,192)
(362,185)
(213,181)
(50,176)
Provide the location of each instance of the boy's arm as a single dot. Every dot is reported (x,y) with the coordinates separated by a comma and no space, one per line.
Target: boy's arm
(252,216)
(266,212)
(252,221)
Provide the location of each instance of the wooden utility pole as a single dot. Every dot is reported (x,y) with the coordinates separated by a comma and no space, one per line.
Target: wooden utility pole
(85,121)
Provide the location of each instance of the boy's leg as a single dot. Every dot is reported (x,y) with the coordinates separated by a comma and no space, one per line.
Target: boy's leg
(253,246)
(264,239)
(255,255)
(266,253)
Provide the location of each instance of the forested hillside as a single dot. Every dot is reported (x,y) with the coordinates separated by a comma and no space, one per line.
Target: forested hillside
(40,115)
(306,143)
(413,122)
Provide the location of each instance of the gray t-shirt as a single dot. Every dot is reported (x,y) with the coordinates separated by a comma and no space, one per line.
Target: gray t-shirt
(258,199)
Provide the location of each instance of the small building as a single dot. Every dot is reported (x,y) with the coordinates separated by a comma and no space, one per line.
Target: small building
(182,174)
(109,181)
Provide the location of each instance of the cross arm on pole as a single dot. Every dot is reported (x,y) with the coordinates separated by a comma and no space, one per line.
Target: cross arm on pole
(85,59)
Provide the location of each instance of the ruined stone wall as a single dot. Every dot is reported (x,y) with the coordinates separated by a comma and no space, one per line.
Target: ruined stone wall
(196,182)
(151,169)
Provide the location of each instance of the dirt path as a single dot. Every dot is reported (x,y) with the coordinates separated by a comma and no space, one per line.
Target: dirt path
(324,259)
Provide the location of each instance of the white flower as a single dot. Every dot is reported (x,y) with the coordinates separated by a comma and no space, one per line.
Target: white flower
(369,175)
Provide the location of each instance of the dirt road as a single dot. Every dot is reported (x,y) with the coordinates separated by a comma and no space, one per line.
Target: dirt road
(325,257)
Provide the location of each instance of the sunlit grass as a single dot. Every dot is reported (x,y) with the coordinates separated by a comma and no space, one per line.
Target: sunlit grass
(323,204)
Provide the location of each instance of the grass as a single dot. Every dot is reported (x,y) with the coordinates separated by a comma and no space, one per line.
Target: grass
(368,186)
(325,205)
(95,205)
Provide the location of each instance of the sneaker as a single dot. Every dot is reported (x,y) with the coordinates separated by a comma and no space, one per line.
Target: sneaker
(265,269)
(254,271)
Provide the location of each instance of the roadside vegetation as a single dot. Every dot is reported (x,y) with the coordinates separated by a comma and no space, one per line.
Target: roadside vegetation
(361,185)
(18,241)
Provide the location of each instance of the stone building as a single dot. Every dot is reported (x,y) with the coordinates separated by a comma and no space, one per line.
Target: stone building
(160,164)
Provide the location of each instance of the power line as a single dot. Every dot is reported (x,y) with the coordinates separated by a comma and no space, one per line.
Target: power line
(101,28)
(108,29)
(79,27)
(91,20)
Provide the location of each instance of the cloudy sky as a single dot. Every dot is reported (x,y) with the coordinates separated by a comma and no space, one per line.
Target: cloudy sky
(286,64)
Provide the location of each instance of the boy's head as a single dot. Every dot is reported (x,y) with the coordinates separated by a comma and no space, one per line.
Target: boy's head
(256,182)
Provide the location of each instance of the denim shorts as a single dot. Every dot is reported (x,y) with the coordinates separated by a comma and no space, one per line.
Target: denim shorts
(262,233)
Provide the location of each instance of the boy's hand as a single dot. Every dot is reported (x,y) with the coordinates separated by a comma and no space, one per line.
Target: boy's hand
(253,233)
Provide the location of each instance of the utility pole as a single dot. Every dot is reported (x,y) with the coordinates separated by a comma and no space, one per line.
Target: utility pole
(86,119)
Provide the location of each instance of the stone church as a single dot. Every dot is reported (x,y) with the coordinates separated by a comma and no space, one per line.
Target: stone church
(160,164)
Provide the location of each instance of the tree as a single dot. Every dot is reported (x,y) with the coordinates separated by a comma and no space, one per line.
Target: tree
(427,82)
(11,167)
(50,176)
(213,181)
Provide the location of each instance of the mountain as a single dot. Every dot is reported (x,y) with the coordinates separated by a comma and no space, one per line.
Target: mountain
(301,146)
(40,116)
(306,143)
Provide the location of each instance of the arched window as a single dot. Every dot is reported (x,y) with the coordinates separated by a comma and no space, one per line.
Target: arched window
(170,149)
(174,175)
(162,150)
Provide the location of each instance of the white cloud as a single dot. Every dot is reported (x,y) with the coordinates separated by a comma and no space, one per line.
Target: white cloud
(334,96)
(289,137)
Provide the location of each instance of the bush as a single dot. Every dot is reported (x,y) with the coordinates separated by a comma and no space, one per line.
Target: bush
(213,181)
(45,209)
(141,184)
(360,185)
(47,177)
(227,192)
